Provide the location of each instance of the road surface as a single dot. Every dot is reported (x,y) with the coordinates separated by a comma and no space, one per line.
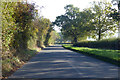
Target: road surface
(57,62)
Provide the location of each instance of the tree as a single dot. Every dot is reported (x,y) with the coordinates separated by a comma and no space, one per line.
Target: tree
(116,13)
(74,23)
(66,22)
(83,23)
(23,14)
(48,36)
(101,22)
(42,27)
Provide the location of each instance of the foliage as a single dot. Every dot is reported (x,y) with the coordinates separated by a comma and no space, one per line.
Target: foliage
(48,40)
(21,29)
(73,23)
(8,24)
(115,13)
(42,27)
(101,23)
(54,37)
(108,44)
(60,38)
(94,22)
(23,14)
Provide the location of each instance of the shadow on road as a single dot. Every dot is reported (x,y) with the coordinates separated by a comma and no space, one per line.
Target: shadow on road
(57,47)
(61,63)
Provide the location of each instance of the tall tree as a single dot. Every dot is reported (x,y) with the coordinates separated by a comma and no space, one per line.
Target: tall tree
(73,23)
(101,22)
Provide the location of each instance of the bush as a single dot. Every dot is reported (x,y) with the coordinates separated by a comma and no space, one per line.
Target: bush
(106,44)
(22,31)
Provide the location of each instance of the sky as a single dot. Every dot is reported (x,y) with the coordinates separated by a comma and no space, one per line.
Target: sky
(52,8)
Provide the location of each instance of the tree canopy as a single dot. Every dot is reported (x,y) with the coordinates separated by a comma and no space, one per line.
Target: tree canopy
(92,22)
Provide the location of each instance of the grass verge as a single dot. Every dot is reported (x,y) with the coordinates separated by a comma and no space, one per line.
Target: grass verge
(111,56)
(11,64)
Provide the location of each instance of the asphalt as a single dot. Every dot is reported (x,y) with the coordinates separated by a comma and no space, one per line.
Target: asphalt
(57,62)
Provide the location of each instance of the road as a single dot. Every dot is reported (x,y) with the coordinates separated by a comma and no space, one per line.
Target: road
(57,62)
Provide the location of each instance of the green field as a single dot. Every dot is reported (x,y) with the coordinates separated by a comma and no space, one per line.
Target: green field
(112,56)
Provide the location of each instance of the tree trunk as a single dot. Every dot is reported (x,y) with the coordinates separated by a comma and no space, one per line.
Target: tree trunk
(47,39)
(99,35)
(75,40)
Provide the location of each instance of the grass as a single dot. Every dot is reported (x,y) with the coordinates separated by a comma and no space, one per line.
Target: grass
(10,65)
(16,59)
(111,56)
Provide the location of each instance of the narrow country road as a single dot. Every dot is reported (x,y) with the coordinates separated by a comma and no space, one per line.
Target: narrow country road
(57,62)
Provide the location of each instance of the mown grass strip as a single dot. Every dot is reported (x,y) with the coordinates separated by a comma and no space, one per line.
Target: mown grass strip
(111,56)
